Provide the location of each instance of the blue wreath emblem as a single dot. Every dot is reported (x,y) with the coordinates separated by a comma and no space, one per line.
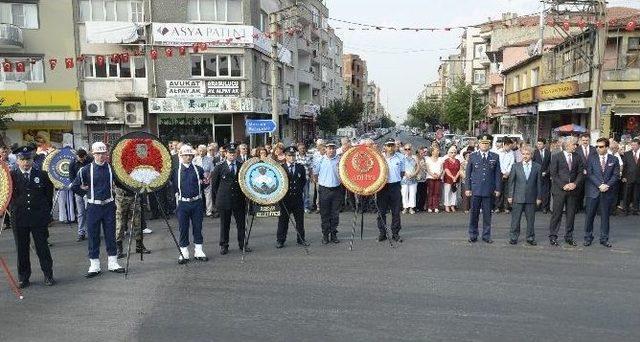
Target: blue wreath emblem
(59,166)
(263,181)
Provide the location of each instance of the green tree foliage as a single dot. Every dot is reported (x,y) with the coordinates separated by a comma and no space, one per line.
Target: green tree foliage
(340,113)
(424,111)
(456,106)
(4,113)
(387,123)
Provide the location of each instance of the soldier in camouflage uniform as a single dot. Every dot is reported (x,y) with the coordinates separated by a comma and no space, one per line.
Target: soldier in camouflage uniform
(125,209)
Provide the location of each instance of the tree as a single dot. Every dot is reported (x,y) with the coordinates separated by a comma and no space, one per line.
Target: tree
(327,121)
(456,106)
(4,112)
(385,122)
(424,110)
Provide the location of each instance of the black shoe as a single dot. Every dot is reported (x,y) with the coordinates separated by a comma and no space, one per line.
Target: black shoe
(382,238)
(570,242)
(224,250)
(473,240)
(553,242)
(304,243)
(325,239)
(182,261)
(48,281)
(81,238)
(279,244)
(334,238)
(606,244)
(92,274)
(489,241)
(396,238)
(141,249)
(117,270)
(532,242)
(513,242)
(23,284)
(587,243)
(247,249)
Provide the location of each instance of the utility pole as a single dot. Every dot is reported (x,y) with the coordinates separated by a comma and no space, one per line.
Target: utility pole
(541,47)
(597,66)
(275,103)
(470,128)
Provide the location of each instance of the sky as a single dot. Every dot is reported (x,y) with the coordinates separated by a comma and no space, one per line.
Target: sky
(402,62)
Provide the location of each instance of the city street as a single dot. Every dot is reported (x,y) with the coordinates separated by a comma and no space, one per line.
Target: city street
(434,286)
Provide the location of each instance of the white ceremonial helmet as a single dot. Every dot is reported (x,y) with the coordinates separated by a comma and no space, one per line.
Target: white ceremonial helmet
(187,150)
(98,147)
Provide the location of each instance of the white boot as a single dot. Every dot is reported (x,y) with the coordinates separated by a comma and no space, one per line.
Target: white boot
(114,266)
(184,255)
(198,254)
(94,268)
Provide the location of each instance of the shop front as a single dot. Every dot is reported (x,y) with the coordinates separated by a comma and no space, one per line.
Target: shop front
(525,121)
(622,108)
(556,113)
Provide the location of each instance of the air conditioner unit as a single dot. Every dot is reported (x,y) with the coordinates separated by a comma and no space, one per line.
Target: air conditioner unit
(95,108)
(133,114)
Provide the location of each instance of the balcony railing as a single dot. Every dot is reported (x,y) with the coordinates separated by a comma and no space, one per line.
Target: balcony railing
(630,74)
(10,36)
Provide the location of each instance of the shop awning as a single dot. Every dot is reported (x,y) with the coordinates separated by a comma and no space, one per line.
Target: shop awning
(570,128)
(565,104)
(622,111)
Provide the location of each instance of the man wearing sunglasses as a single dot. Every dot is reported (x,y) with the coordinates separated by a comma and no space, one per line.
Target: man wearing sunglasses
(603,173)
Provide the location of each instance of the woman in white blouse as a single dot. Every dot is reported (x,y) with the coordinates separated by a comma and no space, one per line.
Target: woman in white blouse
(434,183)
(409,183)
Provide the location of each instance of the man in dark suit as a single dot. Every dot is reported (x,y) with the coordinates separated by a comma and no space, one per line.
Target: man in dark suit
(585,151)
(524,190)
(603,173)
(30,210)
(542,156)
(230,200)
(484,184)
(567,178)
(631,178)
(293,203)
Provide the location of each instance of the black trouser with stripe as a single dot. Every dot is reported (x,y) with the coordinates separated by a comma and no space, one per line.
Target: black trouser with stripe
(330,201)
(389,199)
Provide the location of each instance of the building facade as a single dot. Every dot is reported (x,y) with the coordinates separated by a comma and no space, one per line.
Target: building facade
(354,76)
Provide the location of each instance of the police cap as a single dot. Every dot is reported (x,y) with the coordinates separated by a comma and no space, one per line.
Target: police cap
(390,141)
(330,144)
(485,138)
(232,147)
(24,152)
(291,150)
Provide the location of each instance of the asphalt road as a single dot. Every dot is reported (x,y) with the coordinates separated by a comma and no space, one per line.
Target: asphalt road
(433,287)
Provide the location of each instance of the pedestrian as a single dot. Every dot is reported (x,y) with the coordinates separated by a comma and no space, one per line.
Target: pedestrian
(30,209)
(243,153)
(465,201)
(614,150)
(389,197)
(434,179)
(263,154)
(631,179)
(306,160)
(293,203)
(66,207)
(603,173)
(330,192)
(523,194)
(230,200)
(542,156)
(278,153)
(507,159)
(320,151)
(585,151)
(421,178)
(96,182)
(484,184)
(409,183)
(128,212)
(452,170)
(567,178)
(82,159)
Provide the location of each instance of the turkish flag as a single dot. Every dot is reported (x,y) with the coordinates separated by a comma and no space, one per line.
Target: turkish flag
(154,54)
(124,57)
(68,63)
(115,58)
(80,58)
(7,66)
(168,52)
(196,47)
(182,50)
(100,60)
(20,67)
(202,46)
(53,63)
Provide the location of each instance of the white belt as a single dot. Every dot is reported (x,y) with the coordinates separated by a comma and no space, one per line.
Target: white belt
(192,199)
(98,202)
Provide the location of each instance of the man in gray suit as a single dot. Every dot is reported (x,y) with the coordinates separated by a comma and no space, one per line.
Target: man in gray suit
(524,190)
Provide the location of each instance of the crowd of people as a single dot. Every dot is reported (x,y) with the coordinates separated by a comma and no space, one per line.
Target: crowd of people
(563,176)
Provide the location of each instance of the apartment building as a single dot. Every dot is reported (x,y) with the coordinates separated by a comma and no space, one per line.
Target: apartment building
(354,76)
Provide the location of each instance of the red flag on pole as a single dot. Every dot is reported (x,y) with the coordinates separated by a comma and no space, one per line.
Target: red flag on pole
(7,66)
(53,63)
(20,67)
(68,63)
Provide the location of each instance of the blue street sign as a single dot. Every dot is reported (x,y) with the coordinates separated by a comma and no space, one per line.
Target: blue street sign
(260,126)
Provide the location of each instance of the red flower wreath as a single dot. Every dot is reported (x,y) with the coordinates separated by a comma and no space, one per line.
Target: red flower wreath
(131,160)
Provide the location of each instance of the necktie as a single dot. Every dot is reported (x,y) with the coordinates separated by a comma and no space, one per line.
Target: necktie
(584,149)
(569,161)
(291,169)
(484,157)
(635,155)
(602,163)
(527,170)
(26,176)
(542,154)
(232,167)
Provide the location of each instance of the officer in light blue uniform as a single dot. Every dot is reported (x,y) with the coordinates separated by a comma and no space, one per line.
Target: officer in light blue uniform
(483,183)
(96,181)
(331,193)
(390,197)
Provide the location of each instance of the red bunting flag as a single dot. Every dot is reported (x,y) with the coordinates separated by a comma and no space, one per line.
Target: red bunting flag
(80,59)
(631,26)
(20,67)
(599,24)
(566,25)
(195,48)
(581,23)
(182,50)
(124,57)
(115,58)
(153,54)
(168,52)
(100,60)
(68,63)
(203,46)
(53,63)
(7,66)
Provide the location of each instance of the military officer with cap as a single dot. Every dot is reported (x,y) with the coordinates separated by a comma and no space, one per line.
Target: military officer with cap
(292,203)
(189,182)
(484,181)
(96,181)
(331,193)
(390,197)
(30,208)
(230,200)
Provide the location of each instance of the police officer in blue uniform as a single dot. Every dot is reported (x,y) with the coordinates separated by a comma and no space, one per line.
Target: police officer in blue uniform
(484,183)
(390,197)
(189,182)
(29,209)
(331,193)
(96,181)
(292,203)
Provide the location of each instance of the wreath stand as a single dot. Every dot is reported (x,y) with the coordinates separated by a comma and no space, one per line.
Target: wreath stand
(359,203)
(10,279)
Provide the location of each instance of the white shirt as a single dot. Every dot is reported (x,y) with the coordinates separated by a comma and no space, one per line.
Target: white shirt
(434,167)
(507,158)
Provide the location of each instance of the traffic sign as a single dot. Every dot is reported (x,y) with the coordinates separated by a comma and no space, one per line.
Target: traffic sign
(260,126)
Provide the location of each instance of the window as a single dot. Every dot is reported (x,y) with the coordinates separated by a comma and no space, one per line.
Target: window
(633,52)
(33,70)
(264,73)
(535,74)
(112,69)
(524,81)
(210,65)
(479,77)
(215,10)
(516,83)
(22,15)
(112,10)
(263,25)
(479,51)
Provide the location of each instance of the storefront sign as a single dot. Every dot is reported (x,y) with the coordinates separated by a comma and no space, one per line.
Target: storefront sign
(558,90)
(513,99)
(208,105)
(185,88)
(223,88)
(526,96)
(526,110)
(567,104)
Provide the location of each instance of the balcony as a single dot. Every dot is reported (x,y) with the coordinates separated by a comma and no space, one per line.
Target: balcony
(629,74)
(305,77)
(106,89)
(11,37)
